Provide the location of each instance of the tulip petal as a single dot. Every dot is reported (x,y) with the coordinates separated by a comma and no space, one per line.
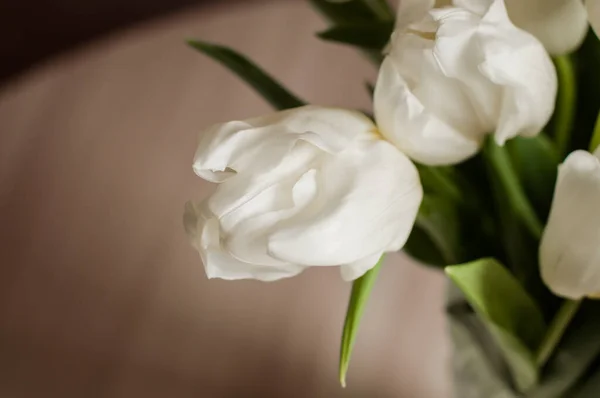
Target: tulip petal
(570,250)
(506,71)
(458,52)
(411,123)
(544,19)
(410,11)
(205,237)
(561,25)
(367,199)
(248,240)
(478,7)
(358,268)
(515,60)
(274,148)
(261,143)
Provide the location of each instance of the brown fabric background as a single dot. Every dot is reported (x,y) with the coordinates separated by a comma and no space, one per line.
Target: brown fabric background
(32,30)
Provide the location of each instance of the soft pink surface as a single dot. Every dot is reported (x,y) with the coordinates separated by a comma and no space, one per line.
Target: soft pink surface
(100,293)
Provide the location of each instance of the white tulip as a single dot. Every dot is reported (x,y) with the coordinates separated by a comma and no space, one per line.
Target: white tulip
(561,25)
(570,247)
(455,74)
(311,186)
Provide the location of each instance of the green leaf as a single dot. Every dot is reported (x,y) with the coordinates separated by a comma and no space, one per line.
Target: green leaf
(434,239)
(440,181)
(519,245)
(536,163)
(348,12)
(361,289)
(438,217)
(422,248)
(577,351)
(503,171)
(373,36)
(453,217)
(510,314)
(271,90)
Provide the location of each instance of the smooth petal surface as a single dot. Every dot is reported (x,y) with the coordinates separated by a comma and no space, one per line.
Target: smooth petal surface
(413,127)
(368,198)
(593,10)
(204,235)
(570,249)
(560,25)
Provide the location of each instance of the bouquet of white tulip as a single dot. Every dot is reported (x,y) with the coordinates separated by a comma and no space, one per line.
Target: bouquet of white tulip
(480,157)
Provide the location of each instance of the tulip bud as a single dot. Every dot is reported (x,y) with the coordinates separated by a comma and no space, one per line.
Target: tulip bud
(310,186)
(570,247)
(455,74)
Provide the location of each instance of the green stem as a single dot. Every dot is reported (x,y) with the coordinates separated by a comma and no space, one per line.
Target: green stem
(507,176)
(566,102)
(557,329)
(595,142)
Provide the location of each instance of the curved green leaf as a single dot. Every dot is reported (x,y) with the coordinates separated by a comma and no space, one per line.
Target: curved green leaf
(271,90)
(361,289)
(438,217)
(510,314)
(373,36)
(353,11)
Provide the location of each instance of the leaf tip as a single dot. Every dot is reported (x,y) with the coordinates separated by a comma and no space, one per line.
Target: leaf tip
(449,270)
(324,34)
(197,44)
(343,371)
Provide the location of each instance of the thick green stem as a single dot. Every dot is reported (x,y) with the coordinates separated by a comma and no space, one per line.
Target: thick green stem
(566,102)
(557,329)
(507,176)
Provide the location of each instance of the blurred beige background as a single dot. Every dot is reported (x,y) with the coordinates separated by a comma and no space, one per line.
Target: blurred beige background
(100,293)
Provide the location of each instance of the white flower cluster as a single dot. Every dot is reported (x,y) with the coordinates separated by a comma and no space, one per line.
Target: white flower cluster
(319,186)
